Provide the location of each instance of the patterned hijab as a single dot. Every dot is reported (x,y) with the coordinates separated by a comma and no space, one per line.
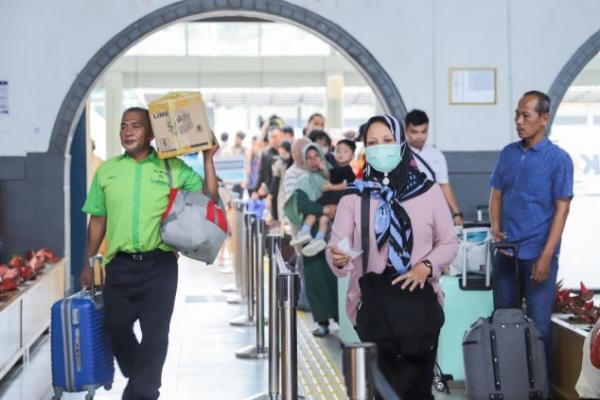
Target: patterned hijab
(406,181)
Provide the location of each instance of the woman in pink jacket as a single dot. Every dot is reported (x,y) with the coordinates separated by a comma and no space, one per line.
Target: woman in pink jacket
(411,238)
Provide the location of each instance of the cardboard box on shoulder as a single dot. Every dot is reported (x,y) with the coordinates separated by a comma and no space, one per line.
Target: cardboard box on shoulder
(180,124)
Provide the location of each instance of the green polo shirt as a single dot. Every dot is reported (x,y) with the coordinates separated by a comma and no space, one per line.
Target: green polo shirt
(132,196)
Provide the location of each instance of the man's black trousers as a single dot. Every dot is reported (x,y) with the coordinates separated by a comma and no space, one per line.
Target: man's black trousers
(140,287)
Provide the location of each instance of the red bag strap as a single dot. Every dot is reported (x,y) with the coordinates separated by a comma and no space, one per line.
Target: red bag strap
(222,219)
(172,196)
(210,211)
(216,215)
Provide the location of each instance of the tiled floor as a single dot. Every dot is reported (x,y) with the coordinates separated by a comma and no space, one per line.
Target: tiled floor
(201,363)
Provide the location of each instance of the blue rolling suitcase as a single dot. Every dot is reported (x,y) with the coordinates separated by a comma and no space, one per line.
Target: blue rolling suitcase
(82,359)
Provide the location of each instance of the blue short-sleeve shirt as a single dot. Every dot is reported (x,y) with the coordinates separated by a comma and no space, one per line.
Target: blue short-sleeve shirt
(531,180)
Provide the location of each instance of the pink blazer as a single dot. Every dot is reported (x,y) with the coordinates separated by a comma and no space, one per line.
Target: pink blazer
(434,239)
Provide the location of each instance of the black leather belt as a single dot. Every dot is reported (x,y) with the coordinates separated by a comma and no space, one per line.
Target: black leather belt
(142,256)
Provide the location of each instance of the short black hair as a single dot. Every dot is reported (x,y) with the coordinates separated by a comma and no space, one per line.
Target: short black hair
(315,115)
(286,145)
(318,134)
(347,142)
(543,101)
(416,118)
(241,135)
(288,129)
(224,137)
(145,115)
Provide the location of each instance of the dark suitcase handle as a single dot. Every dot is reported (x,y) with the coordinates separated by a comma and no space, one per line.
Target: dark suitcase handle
(505,245)
(515,248)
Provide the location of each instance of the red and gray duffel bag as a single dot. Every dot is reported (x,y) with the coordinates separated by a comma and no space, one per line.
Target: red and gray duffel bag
(193,223)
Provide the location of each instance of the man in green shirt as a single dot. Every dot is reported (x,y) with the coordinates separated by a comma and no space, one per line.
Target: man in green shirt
(126,200)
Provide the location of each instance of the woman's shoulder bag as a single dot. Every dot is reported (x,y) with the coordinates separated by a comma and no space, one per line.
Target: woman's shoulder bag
(399,321)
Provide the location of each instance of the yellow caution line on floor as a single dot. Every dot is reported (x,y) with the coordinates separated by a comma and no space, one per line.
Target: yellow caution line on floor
(319,376)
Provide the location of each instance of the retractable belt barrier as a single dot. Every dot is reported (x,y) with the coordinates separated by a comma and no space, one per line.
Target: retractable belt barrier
(256,305)
(362,375)
(363,378)
(247,270)
(284,289)
(238,289)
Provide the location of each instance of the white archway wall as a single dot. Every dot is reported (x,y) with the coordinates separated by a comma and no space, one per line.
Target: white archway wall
(415,42)
(575,128)
(278,10)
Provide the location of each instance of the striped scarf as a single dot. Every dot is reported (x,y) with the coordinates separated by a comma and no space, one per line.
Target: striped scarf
(391,219)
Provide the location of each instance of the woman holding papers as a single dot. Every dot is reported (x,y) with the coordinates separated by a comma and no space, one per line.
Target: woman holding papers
(410,237)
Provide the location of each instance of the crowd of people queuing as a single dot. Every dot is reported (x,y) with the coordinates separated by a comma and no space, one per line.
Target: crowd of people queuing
(382,191)
(316,189)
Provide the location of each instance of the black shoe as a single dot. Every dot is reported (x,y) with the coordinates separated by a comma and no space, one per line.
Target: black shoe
(127,393)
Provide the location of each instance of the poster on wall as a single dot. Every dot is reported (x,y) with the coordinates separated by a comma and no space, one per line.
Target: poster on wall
(4,97)
(472,86)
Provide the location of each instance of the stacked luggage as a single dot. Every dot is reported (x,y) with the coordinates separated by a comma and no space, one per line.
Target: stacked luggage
(82,358)
(499,353)
(468,296)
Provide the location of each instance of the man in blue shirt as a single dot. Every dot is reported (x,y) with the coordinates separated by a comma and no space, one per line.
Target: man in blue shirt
(532,187)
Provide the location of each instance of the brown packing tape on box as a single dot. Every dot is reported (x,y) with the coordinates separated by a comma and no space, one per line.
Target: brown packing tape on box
(180,124)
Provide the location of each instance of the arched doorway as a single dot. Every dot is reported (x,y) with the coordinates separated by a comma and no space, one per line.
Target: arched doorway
(576,128)
(71,109)
(278,10)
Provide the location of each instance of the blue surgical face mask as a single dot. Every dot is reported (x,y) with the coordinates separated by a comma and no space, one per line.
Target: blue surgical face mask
(384,157)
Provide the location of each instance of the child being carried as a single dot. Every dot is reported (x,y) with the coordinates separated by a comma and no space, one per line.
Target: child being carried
(339,176)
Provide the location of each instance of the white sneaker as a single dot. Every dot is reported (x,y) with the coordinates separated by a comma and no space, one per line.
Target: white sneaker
(301,240)
(314,247)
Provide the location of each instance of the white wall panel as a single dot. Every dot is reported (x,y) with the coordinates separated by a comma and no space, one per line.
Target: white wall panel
(46,44)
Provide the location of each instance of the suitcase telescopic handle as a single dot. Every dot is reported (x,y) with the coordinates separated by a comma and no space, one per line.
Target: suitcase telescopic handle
(480,209)
(505,246)
(92,261)
(515,248)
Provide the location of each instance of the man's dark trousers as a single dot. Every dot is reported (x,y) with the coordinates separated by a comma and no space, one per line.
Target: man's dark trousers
(140,287)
